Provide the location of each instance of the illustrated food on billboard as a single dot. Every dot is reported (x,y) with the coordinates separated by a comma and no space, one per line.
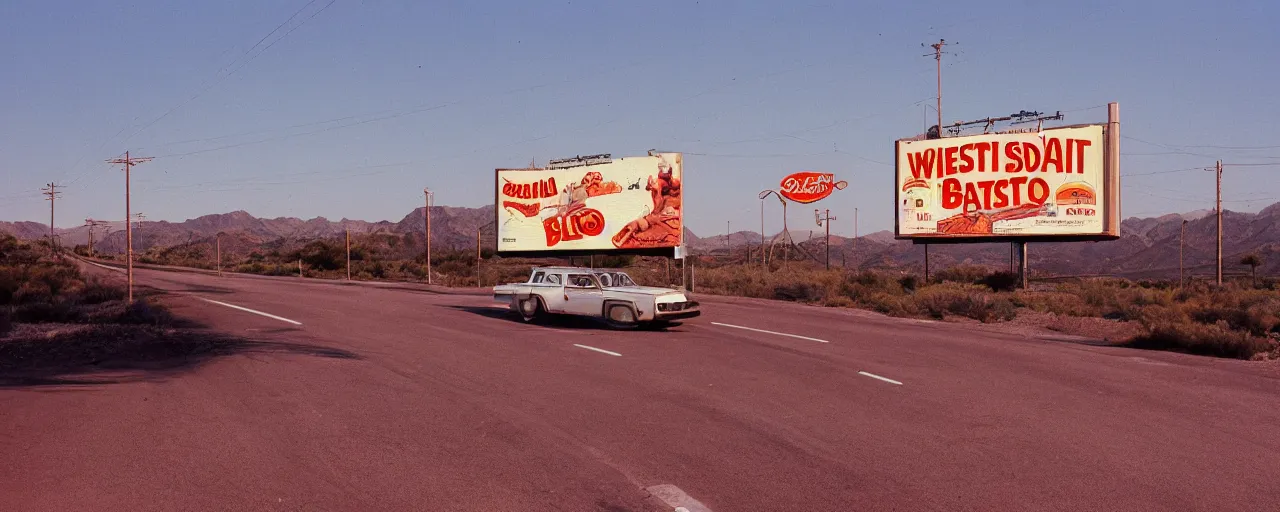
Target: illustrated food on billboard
(1017,184)
(809,186)
(625,204)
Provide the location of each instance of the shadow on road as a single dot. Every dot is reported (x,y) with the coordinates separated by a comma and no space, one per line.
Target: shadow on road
(87,355)
(560,321)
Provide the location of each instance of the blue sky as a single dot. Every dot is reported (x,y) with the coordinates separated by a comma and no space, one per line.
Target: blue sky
(354,106)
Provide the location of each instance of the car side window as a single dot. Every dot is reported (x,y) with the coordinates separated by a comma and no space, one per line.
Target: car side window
(537,277)
(580,281)
(552,279)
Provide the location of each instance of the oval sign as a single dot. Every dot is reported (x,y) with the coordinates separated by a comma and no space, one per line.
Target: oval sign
(810,186)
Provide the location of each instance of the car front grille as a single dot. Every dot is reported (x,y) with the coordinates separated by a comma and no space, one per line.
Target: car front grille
(667,307)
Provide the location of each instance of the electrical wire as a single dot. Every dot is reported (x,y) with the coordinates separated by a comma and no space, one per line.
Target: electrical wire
(218,80)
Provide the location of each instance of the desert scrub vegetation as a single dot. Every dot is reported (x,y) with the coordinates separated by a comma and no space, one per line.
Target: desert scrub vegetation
(1235,320)
(36,287)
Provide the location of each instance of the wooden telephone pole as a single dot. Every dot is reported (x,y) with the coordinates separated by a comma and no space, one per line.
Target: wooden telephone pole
(937,57)
(348,231)
(426,212)
(218,250)
(824,219)
(128,163)
(51,193)
(1218,209)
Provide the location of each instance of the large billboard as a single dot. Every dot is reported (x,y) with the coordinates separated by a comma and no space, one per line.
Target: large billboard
(1050,184)
(619,205)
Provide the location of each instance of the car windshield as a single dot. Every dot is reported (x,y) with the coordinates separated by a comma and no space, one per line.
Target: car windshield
(608,279)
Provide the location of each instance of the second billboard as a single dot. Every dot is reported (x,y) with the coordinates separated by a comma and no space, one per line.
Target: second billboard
(629,204)
(1044,184)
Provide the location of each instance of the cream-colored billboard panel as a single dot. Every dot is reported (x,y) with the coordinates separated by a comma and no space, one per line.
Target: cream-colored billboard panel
(1047,183)
(628,204)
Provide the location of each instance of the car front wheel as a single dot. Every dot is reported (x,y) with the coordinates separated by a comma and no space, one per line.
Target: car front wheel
(621,316)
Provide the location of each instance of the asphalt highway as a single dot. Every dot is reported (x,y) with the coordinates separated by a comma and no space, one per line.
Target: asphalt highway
(403,397)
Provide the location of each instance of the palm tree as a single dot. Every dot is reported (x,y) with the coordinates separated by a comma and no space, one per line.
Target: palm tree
(1252,260)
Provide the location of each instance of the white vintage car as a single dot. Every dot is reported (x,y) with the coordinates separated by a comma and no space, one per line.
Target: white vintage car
(607,294)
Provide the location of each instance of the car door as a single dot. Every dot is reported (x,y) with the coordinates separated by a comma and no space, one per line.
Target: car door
(583,295)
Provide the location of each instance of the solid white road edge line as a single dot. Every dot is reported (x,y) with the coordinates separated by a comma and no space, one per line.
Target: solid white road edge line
(600,350)
(247,310)
(770,332)
(877,377)
(106,267)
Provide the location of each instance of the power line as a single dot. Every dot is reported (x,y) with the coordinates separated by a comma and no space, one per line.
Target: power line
(218,80)
(205,89)
(1201,168)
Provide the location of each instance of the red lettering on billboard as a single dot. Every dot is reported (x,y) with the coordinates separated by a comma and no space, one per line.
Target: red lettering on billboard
(536,190)
(809,186)
(573,225)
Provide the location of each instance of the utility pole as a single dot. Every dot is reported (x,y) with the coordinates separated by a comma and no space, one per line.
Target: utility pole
(763,262)
(726,238)
(426,214)
(855,227)
(138,225)
(1219,211)
(51,192)
(217,241)
(88,223)
(348,232)
(1182,280)
(825,218)
(479,255)
(300,268)
(128,163)
(937,57)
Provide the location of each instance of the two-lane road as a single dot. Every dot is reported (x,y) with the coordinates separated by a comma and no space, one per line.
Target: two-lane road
(447,404)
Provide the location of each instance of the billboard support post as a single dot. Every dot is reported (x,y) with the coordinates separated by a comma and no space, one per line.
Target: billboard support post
(926,263)
(1112,169)
(1022,264)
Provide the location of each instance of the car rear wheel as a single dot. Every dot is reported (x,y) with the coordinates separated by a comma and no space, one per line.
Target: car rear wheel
(529,308)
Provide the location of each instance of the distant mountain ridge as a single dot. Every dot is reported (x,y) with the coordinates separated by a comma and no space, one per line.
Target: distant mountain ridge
(1148,247)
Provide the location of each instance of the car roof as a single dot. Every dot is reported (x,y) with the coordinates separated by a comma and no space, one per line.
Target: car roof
(574,269)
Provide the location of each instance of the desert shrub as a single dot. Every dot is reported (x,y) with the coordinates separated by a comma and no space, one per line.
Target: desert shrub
(96,291)
(867,283)
(909,282)
(323,255)
(1000,281)
(798,291)
(1216,339)
(10,281)
(33,292)
(968,274)
(144,312)
(49,311)
(969,301)
(838,301)
(890,304)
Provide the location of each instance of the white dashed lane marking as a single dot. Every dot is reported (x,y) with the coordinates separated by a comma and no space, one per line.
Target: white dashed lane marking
(877,377)
(600,350)
(753,329)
